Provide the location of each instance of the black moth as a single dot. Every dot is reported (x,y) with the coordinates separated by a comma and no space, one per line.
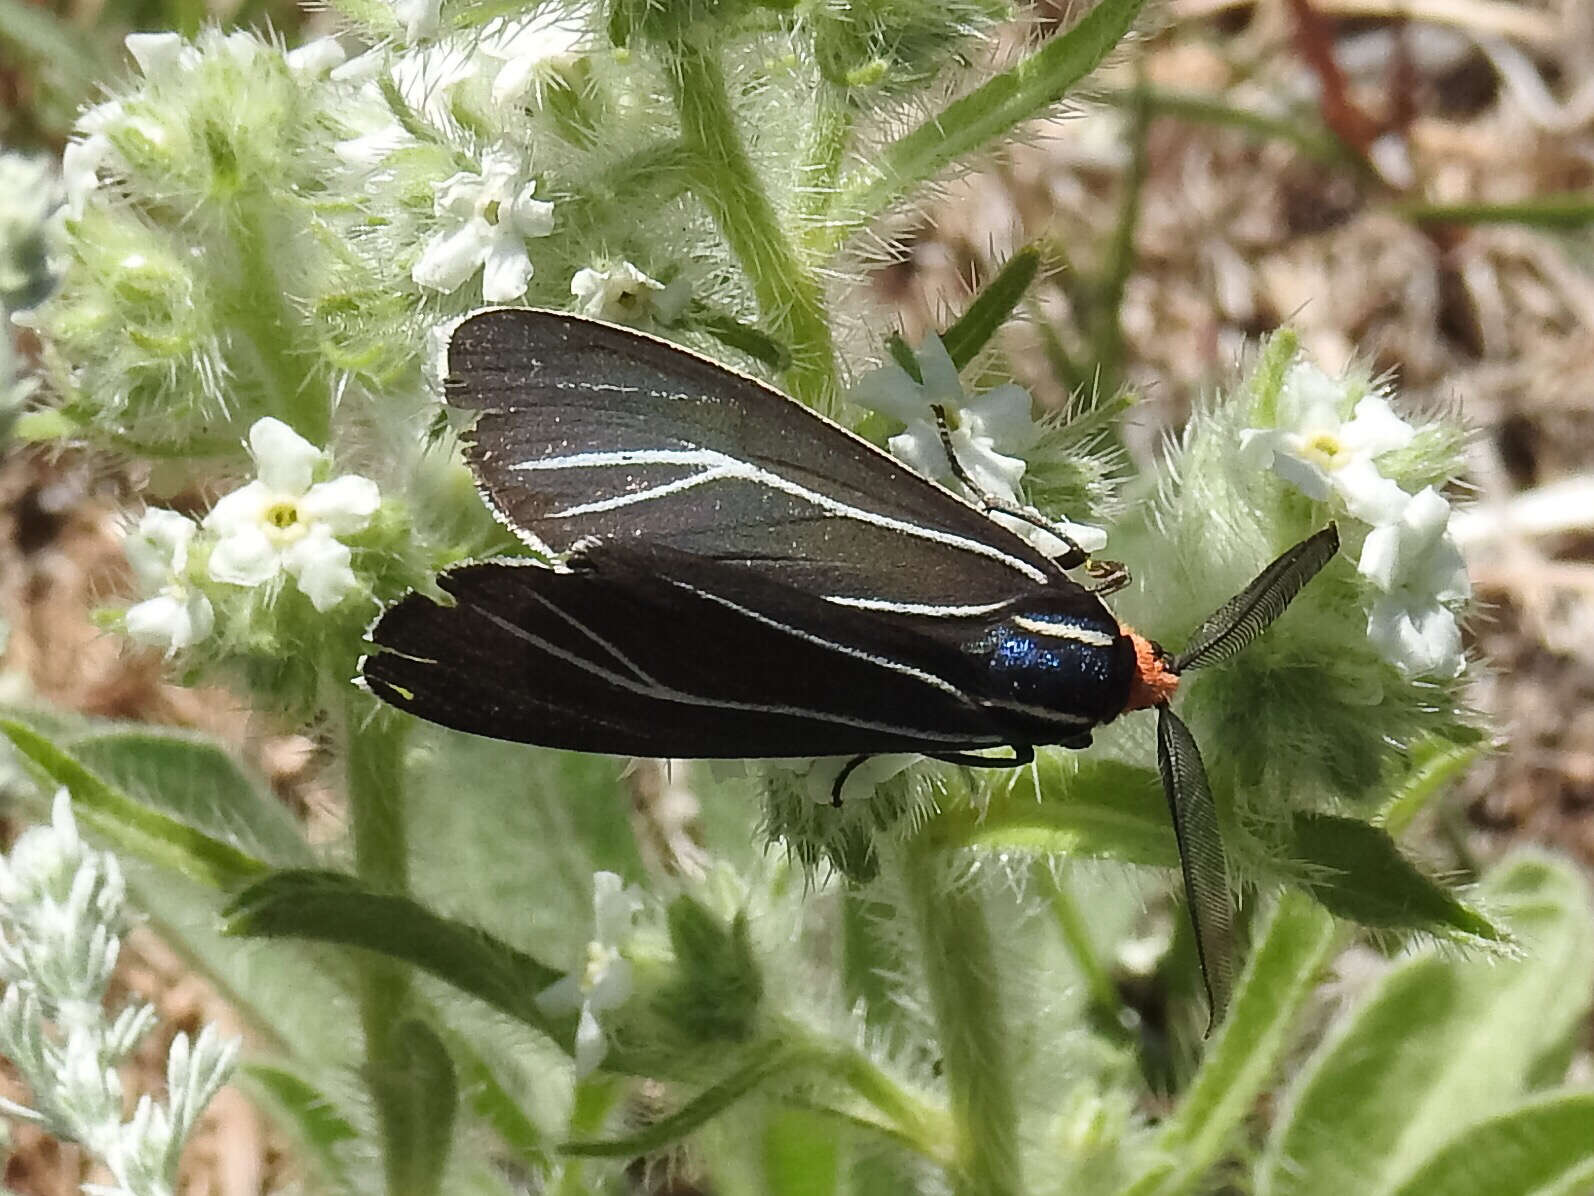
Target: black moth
(737,577)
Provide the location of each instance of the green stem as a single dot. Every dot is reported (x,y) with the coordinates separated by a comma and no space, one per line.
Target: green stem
(381,857)
(832,135)
(268,329)
(789,296)
(966,1000)
(919,1123)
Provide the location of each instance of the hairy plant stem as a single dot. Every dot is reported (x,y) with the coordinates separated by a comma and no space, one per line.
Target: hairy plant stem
(789,295)
(268,328)
(965,997)
(381,857)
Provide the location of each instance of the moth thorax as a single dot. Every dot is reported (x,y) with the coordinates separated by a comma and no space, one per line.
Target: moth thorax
(1072,662)
(1154,683)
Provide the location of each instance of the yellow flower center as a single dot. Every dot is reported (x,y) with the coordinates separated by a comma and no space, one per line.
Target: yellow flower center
(282,521)
(600,957)
(1325,449)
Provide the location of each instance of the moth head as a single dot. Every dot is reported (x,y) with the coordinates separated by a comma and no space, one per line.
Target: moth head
(1155,680)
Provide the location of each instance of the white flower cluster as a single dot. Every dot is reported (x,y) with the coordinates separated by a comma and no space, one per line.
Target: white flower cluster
(157,55)
(1409,556)
(601,981)
(487,212)
(62,916)
(283,522)
(989,432)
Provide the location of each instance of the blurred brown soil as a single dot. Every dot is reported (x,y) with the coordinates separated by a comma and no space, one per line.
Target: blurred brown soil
(1439,100)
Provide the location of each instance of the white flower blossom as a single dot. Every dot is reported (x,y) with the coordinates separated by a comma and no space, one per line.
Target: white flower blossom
(617,292)
(491,214)
(530,48)
(420,18)
(175,616)
(602,981)
(990,433)
(1318,451)
(1416,566)
(317,57)
(82,159)
(817,777)
(281,523)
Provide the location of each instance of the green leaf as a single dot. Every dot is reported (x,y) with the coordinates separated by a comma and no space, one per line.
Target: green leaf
(420,1100)
(762,1065)
(308,1114)
(1357,871)
(1279,978)
(1443,1040)
(717,988)
(1535,1150)
(1081,806)
(991,308)
(331,907)
(494,1104)
(131,827)
(988,112)
(801,1154)
(196,781)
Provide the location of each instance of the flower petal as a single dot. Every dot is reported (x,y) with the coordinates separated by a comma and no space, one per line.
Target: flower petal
(345,504)
(1375,428)
(591,1046)
(451,257)
(941,382)
(284,460)
(1368,494)
(920,449)
(1380,557)
(244,557)
(245,507)
(564,995)
(157,547)
(320,564)
(506,270)
(891,391)
(170,621)
(1005,416)
(614,905)
(1422,641)
(529,216)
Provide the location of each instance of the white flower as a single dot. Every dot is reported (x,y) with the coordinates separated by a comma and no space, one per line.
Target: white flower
(529,47)
(281,523)
(82,159)
(175,616)
(492,215)
(990,433)
(817,777)
(420,18)
(157,52)
(1317,450)
(602,981)
(317,57)
(617,292)
(1417,567)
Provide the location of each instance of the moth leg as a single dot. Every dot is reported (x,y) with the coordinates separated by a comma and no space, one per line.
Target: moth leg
(1023,753)
(1071,559)
(1111,576)
(847,769)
